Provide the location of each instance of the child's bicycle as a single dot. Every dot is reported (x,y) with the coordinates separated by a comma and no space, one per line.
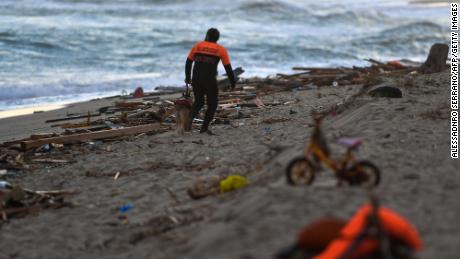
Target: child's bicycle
(302,170)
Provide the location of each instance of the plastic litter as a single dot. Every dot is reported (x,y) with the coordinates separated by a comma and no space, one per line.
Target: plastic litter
(266,130)
(232,182)
(96,145)
(126,207)
(45,148)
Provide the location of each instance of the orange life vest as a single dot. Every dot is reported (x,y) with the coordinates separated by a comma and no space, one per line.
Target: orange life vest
(395,226)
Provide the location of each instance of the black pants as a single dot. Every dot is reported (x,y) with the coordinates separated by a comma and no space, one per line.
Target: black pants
(201,89)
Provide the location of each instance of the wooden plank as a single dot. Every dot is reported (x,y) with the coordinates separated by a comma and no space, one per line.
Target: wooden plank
(224,82)
(130,105)
(90,136)
(373,61)
(315,68)
(42,135)
(14,142)
(50,161)
(71,125)
(73,117)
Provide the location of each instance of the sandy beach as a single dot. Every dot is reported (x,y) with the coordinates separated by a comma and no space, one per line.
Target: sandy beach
(408,138)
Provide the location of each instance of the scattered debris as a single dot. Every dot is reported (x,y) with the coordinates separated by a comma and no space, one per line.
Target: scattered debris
(440,112)
(16,202)
(436,60)
(88,116)
(90,136)
(214,185)
(164,223)
(155,113)
(116,176)
(386,91)
(275,120)
(204,187)
(232,182)
(125,208)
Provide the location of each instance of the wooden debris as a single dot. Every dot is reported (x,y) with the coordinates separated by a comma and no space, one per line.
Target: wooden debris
(114,175)
(224,83)
(436,60)
(130,105)
(74,117)
(164,223)
(204,187)
(51,161)
(155,112)
(386,91)
(71,125)
(90,136)
(16,202)
(42,135)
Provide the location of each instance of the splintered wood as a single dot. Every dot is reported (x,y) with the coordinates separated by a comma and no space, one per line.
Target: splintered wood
(76,138)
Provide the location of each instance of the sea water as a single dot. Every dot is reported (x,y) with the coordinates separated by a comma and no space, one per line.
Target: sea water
(69,50)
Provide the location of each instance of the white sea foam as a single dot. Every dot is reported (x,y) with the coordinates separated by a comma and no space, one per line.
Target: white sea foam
(54,50)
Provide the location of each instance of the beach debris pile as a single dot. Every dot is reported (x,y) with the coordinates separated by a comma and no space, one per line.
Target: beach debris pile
(154,112)
(17,202)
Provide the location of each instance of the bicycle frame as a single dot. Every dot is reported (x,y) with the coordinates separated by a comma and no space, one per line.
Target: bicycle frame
(336,165)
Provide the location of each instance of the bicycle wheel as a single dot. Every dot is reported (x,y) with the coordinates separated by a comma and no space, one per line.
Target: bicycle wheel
(363,173)
(300,172)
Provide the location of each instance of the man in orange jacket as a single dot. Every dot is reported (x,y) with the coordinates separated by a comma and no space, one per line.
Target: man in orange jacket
(206,56)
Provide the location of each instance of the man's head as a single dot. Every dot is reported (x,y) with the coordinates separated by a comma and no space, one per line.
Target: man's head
(212,35)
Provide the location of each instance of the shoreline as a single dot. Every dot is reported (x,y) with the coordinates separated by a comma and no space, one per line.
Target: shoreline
(31,110)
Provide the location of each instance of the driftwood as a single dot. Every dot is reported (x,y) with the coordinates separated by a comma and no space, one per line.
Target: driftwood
(74,117)
(223,83)
(71,125)
(51,161)
(386,91)
(436,61)
(16,202)
(42,135)
(156,112)
(128,105)
(90,136)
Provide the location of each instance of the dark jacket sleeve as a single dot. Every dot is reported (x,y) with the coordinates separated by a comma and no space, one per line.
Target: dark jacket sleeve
(188,70)
(231,76)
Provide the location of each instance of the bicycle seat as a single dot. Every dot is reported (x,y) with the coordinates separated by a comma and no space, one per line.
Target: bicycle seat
(350,142)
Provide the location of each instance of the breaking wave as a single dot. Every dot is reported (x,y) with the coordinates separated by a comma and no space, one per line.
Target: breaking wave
(55,48)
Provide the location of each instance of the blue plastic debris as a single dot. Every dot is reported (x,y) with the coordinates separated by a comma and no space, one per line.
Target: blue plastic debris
(126,207)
